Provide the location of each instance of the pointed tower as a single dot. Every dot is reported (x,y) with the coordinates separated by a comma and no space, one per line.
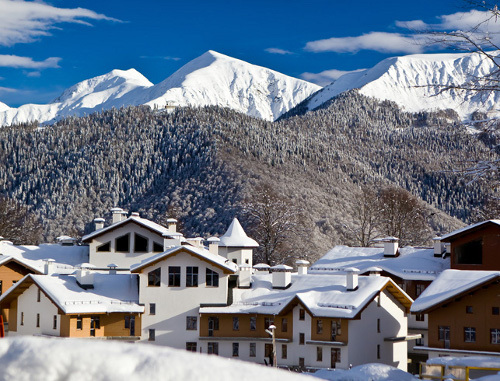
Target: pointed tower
(236,246)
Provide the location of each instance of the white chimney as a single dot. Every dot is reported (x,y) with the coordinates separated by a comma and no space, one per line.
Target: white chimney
(171,239)
(439,247)
(99,223)
(48,267)
(447,246)
(245,276)
(117,214)
(282,276)
(351,278)
(302,266)
(112,268)
(135,214)
(374,271)
(213,245)
(172,225)
(85,276)
(390,246)
(262,268)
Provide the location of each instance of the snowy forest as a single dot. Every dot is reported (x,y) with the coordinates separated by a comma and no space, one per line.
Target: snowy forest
(203,165)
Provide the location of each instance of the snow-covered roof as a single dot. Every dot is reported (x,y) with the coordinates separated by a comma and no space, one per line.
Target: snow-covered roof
(411,264)
(66,257)
(111,293)
(141,221)
(235,236)
(469,227)
(203,254)
(449,284)
(322,295)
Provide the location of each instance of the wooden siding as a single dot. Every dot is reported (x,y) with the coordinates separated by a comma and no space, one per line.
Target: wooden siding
(326,335)
(10,273)
(112,325)
(13,316)
(454,315)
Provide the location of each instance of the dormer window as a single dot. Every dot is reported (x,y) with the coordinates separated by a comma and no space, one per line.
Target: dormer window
(157,247)
(470,253)
(140,244)
(122,244)
(104,247)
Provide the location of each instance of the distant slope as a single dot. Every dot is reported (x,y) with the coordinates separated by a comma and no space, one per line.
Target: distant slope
(212,79)
(414,83)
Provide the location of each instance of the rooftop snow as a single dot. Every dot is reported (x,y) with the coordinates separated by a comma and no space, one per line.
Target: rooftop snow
(235,236)
(449,284)
(411,264)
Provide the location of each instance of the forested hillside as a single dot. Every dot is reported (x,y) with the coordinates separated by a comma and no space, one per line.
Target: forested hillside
(200,165)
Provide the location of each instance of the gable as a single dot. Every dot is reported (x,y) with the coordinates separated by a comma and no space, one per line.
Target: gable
(130,225)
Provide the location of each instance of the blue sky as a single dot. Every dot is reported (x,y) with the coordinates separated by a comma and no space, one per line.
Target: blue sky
(46,47)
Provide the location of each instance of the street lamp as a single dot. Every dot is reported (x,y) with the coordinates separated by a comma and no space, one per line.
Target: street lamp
(270,330)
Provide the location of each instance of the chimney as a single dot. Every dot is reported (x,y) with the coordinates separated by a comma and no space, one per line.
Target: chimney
(447,246)
(351,278)
(135,214)
(172,225)
(282,276)
(85,276)
(48,267)
(112,269)
(65,240)
(99,223)
(213,245)
(117,214)
(439,247)
(170,240)
(374,271)
(244,276)
(302,266)
(390,246)
(262,268)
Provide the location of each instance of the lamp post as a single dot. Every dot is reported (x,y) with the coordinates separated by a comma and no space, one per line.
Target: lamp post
(271,331)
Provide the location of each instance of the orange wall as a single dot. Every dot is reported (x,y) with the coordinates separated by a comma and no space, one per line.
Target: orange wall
(491,248)
(111,325)
(10,273)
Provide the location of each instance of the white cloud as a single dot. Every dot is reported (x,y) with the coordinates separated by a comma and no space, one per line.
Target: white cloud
(278,51)
(7,90)
(24,21)
(34,74)
(27,62)
(378,41)
(465,21)
(326,77)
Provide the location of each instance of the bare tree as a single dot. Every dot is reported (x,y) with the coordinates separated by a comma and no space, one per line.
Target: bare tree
(365,213)
(274,222)
(18,223)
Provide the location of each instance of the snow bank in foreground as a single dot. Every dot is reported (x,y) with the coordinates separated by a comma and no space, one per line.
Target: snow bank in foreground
(34,358)
(477,361)
(371,372)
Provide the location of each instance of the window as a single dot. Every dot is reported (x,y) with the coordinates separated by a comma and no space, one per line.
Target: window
(191,323)
(104,247)
(420,317)
(268,322)
(191,347)
(0,287)
(253,349)
(378,351)
(284,351)
(213,325)
(302,314)
(470,253)
(38,320)
(419,288)
(319,354)
(301,339)
(174,276)
(213,348)
(284,325)
(335,329)
(38,295)
(192,276)
(127,321)
(468,309)
(54,325)
(495,336)
(79,324)
(154,278)
(122,244)
(22,318)
(495,310)
(212,278)
(253,323)
(236,349)
(420,342)
(152,334)
(378,300)
(319,326)
(335,354)
(140,244)
(378,325)
(470,334)
(95,323)
(236,323)
(152,308)
(443,333)
(157,247)
(235,260)
(302,362)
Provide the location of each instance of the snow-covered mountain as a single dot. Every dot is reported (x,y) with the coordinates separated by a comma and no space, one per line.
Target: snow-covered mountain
(414,83)
(211,79)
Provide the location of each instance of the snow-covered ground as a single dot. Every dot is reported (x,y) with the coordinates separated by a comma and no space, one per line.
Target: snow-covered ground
(50,359)
(367,372)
